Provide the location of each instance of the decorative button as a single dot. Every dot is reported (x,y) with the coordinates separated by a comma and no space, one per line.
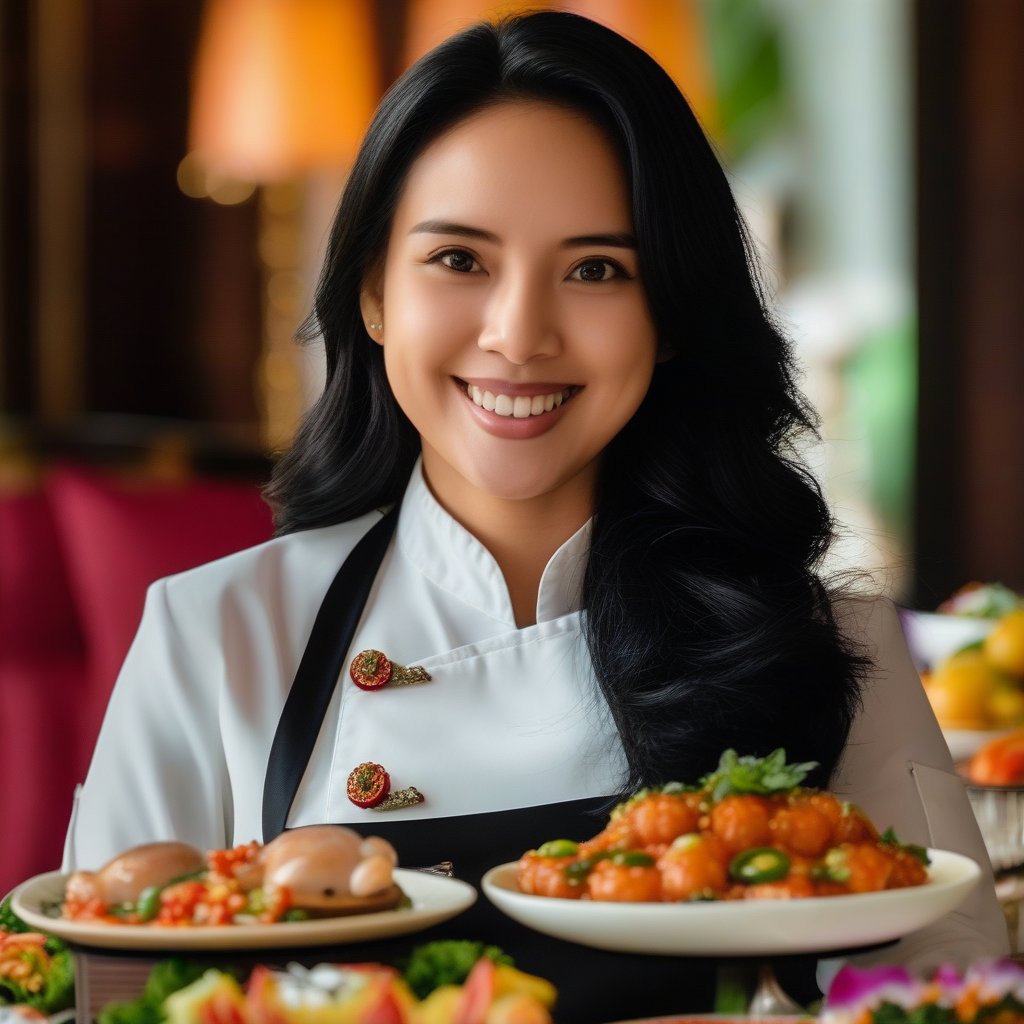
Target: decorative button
(370,670)
(369,786)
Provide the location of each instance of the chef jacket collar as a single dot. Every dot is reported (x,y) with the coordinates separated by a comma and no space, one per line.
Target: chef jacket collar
(452,558)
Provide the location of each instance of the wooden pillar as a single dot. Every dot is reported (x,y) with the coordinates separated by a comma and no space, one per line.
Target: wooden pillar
(969,521)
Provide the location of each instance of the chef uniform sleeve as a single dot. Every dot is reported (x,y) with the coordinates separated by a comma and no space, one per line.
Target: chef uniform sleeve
(898,769)
(158,770)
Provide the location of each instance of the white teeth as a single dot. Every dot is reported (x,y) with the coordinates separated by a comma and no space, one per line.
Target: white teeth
(519,407)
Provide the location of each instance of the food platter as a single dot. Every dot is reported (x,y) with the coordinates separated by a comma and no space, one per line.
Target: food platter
(433,897)
(741,927)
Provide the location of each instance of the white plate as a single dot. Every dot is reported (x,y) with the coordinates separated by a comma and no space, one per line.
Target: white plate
(932,636)
(965,743)
(741,927)
(434,899)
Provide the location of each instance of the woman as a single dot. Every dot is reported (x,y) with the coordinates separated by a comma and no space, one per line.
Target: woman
(548,358)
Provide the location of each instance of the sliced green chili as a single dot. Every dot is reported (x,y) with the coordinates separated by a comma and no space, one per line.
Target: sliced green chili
(759,864)
(632,859)
(558,848)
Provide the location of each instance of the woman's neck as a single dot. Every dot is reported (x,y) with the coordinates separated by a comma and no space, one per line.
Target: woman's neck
(520,533)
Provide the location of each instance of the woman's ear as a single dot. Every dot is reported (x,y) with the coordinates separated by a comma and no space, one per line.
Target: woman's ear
(371,306)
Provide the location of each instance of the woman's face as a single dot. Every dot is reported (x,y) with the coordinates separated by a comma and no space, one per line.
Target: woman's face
(516,333)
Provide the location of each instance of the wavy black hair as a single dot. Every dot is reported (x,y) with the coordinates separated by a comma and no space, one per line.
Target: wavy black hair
(706,618)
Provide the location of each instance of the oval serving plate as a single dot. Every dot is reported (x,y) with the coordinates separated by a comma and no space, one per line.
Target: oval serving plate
(434,899)
(741,927)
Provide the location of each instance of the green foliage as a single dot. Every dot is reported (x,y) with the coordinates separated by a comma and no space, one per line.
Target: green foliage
(749,73)
(167,977)
(759,775)
(59,991)
(929,1013)
(9,920)
(446,962)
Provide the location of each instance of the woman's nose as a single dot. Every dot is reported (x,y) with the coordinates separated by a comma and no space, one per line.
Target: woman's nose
(520,322)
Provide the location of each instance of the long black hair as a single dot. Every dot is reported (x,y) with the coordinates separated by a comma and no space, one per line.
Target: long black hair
(705,617)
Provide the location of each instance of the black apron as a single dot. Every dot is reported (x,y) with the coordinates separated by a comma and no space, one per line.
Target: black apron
(594,986)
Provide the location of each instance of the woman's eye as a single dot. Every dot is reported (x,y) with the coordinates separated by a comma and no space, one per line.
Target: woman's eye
(458,260)
(597,270)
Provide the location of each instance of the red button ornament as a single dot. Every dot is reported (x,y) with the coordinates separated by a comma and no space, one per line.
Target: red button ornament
(370,670)
(369,786)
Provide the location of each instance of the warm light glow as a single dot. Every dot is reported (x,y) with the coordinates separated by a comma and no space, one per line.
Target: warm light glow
(198,181)
(282,87)
(671,31)
(429,22)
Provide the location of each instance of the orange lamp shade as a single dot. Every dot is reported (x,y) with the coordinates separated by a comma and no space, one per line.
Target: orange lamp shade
(671,31)
(282,87)
(429,22)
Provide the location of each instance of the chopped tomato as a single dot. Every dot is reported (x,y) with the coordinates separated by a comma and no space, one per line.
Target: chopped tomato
(624,883)
(741,822)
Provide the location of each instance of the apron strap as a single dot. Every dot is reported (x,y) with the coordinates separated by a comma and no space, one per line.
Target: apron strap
(318,671)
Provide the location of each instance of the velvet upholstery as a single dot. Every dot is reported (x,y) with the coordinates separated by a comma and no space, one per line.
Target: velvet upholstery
(76,557)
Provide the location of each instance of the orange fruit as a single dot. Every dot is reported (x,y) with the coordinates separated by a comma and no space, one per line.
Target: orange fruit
(1000,762)
(960,690)
(1004,646)
(1006,705)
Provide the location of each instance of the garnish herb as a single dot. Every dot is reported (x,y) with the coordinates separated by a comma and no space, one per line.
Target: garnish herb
(758,775)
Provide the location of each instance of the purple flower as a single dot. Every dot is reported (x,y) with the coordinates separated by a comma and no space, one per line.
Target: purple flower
(854,988)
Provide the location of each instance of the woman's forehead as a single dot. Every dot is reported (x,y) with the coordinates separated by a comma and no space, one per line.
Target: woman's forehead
(516,160)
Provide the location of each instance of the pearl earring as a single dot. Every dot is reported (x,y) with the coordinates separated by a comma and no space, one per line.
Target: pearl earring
(375,325)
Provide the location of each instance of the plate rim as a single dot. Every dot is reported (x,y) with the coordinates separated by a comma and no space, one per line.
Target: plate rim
(319,932)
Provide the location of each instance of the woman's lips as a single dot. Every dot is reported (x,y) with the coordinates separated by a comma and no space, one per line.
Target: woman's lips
(516,411)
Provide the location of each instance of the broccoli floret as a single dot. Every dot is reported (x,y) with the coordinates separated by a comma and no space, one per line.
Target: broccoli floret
(9,920)
(166,977)
(59,991)
(446,962)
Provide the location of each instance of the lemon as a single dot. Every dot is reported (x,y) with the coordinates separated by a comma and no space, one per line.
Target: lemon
(960,690)
(1004,646)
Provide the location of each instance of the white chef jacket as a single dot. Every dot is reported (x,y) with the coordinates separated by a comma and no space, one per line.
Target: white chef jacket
(511,718)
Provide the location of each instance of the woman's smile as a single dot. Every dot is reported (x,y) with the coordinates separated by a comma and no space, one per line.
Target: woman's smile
(515,411)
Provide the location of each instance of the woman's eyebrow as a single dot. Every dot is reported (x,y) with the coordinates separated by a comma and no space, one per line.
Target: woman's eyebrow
(447,227)
(614,239)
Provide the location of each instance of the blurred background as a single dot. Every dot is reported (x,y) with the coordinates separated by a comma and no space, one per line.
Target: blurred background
(169,169)
(168,172)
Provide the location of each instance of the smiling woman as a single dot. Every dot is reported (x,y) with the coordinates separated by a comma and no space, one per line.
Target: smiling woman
(548,514)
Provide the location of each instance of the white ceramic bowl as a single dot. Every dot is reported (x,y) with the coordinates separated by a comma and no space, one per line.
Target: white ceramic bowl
(932,637)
